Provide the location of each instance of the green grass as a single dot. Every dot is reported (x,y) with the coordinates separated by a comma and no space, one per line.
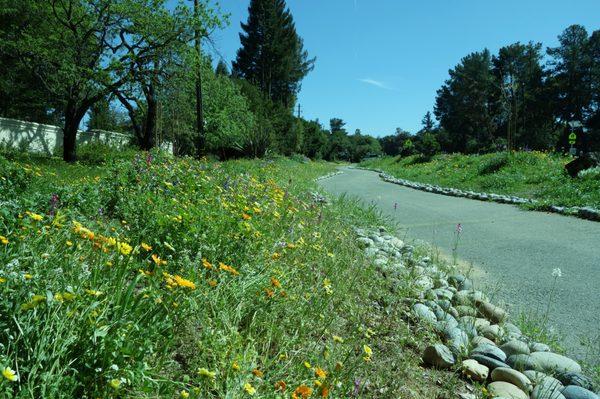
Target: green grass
(533,175)
(161,277)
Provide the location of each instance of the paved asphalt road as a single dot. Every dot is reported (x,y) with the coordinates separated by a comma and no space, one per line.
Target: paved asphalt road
(513,252)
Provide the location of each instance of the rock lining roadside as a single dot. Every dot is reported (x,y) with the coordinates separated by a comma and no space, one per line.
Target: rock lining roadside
(588,213)
(476,337)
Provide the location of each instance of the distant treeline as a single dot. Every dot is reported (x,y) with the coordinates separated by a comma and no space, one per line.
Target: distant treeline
(520,98)
(138,67)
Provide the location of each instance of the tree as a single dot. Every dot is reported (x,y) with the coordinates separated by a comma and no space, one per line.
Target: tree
(222,69)
(570,68)
(427,122)
(315,140)
(272,54)
(593,119)
(464,104)
(84,50)
(104,117)
(521,99)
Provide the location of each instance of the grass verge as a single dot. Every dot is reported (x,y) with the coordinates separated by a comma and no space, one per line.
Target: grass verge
(163,277)
(534,175)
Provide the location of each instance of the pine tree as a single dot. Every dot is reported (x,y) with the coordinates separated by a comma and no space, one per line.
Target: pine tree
(222,69)
(272,55)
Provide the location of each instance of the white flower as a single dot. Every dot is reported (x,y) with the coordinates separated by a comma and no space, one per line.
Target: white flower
(556,272)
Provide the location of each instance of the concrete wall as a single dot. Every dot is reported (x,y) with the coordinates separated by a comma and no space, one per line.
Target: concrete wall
(40,138)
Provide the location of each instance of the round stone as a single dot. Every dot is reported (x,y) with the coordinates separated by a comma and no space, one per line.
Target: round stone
(489,362)
(457,340)
(493,313)
(576,392)
(493,332)
(539,347)
(423,313)
(506,390)
(466,310)
(515,347)
(475,371)
(482,340)
(549,362)
(490,351)
(522,362)
(548,388)
(578,379)
(512,376)
(438,355)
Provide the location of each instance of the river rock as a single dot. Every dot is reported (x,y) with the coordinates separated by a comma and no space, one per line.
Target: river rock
(514,377)
(539,347)
(489,362)
(438,355)
(462,298)
(537,377)
(475,371)
(578,379)
(490,351)
(443,293)
(482,340)
(522,362)
(549,362)
(365,242)
(493,332)
(423,313)
(506,390)
(457,341)
(577,392)
(548,388)
(493,313)
(515,347)
(466,310)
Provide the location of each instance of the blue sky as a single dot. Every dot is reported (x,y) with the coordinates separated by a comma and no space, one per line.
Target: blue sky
(380,62)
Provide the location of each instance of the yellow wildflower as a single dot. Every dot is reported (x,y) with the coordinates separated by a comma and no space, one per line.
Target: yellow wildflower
(147,247)
(276,256)
(115,383)
(302,392)
(246,216)
(94,293)
(228,269)
(307,365)
(184,283)
(28,276)
(212,283)
(338,339)
(69,244)
(280,386)
(258,373)
(35,216)
(275,283)
(124,248)
(320,373)
(250,390)
(368,353)
(2,280)
(3,240)
(206,373)
(156,259)
(10,374)
(184,394)
(235,366)
(206,264)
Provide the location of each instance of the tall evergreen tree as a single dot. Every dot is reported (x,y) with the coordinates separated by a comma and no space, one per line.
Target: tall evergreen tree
(272,55)
(570,67)
(222,69)
(427,122)
(522,113)
(463,104)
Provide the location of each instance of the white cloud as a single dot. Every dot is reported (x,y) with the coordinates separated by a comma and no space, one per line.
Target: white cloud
(376,83)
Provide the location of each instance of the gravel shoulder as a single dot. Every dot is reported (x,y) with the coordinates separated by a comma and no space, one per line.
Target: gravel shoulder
(514,252)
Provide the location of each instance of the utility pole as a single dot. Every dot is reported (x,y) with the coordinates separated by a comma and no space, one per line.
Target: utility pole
(201,140)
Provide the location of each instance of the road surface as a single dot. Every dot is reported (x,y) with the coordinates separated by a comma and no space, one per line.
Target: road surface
(513,252)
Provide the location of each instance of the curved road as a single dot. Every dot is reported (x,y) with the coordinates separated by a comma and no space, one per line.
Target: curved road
(513,252)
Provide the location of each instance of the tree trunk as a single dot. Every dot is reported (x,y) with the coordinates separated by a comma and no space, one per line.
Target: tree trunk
(149,139)
(73,118)
(201,139)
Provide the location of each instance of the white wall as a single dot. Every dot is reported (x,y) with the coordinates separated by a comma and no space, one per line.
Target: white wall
(37,137)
